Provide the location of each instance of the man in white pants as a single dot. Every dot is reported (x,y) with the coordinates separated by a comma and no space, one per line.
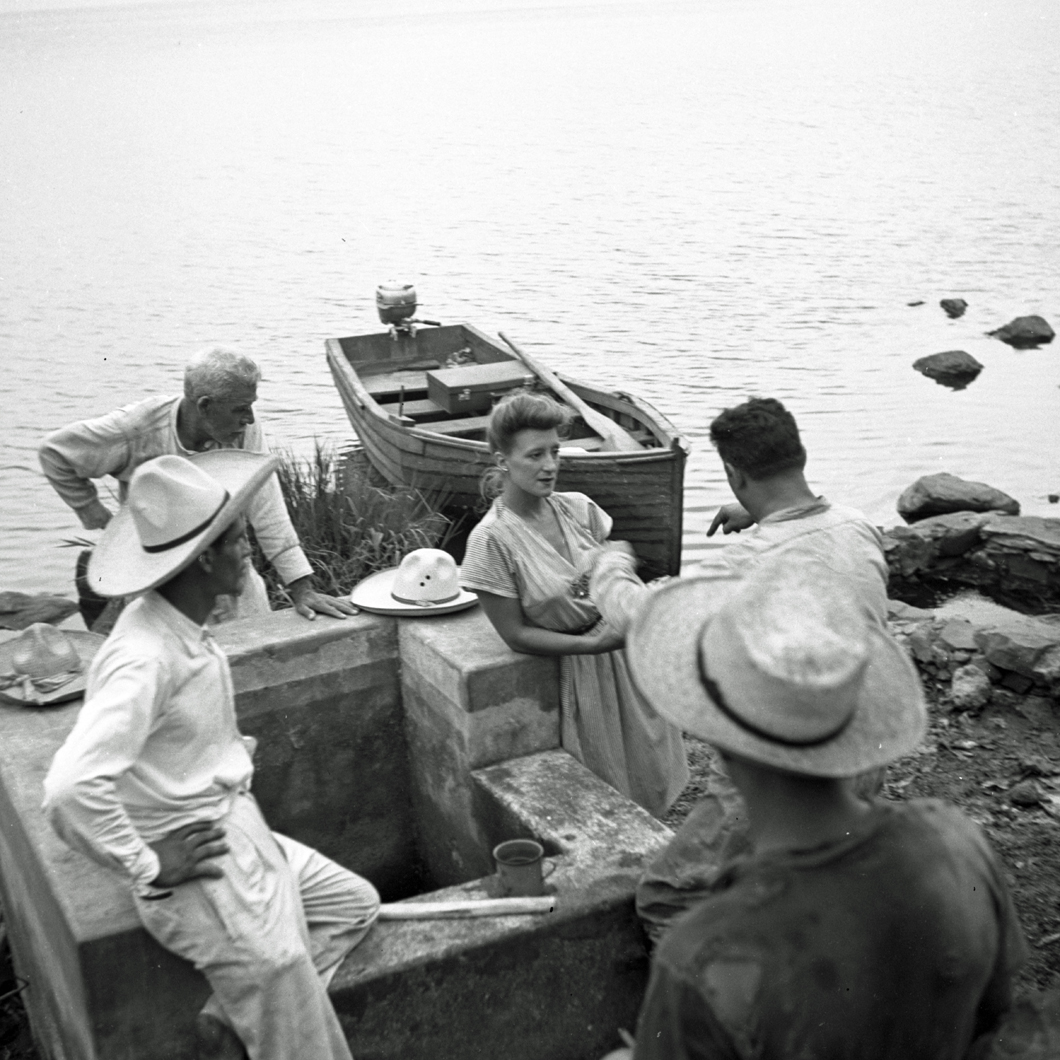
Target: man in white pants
(154,779)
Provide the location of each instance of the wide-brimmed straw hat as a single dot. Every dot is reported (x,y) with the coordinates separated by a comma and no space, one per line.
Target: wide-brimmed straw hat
(427,582)
(175,508)
(44,665)
(782,668)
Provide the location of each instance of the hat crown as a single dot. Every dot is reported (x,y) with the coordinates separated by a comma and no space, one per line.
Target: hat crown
(170,498)
(426,576)
(43,651)
(789,655)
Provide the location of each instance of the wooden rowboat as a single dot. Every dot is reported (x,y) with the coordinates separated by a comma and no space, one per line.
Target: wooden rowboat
(414,441)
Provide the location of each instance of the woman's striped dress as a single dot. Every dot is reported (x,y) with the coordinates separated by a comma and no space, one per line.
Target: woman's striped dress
(606,724)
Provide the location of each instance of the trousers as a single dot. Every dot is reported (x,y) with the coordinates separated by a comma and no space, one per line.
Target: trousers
(268,935)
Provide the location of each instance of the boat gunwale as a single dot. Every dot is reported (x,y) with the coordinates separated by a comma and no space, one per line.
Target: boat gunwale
(645,413)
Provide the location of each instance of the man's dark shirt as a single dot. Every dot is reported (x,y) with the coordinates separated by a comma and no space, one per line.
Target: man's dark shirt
(898,943)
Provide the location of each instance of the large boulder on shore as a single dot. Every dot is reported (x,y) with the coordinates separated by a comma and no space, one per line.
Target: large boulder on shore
(942,493)
(21,610)
(1025,332)
(954,307)
(952,368)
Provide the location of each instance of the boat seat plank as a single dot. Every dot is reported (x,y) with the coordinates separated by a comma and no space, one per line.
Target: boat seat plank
(415,409)
(387,383)
(590,444)
(467,425)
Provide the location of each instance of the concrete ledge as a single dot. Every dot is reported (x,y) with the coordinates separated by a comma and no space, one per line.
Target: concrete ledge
(370,733)
(332,739)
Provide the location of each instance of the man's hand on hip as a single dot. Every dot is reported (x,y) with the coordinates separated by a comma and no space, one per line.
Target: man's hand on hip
(309,603)
(184,854)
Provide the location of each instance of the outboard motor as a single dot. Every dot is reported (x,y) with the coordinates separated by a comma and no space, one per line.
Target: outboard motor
(396,305)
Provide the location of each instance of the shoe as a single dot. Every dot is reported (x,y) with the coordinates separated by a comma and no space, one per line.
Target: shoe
(215,1040)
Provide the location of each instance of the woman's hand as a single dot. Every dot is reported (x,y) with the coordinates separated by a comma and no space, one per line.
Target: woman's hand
(604,640)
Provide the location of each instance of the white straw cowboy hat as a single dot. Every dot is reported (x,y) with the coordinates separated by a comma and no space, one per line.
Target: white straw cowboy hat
(174,509)
(426,583)
(782,668)
(44,665)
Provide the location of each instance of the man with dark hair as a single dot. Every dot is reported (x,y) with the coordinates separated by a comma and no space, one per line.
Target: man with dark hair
(759,436)
(860,929)
(764,462)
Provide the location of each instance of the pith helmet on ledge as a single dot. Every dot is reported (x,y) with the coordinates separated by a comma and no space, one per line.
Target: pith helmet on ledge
(427,582)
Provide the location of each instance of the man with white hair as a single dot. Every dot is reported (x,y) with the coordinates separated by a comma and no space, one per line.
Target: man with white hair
(216,411)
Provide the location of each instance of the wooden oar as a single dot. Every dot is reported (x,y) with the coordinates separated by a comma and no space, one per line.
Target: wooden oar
(615,438)
(465,907)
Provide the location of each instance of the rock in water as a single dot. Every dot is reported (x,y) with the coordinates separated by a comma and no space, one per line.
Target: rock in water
(942,493)
(1025,332)
(954,307)
(21,610)
(953,368)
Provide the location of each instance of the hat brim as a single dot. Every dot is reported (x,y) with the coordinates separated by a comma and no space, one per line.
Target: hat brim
(119,566)
(86,645)
(663,651)
(374,594)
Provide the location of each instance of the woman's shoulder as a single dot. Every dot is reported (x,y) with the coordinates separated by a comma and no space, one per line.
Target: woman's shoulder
(575,502)
(491,531)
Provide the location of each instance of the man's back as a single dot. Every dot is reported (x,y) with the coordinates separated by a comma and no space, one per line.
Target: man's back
(838,537)
(895,944)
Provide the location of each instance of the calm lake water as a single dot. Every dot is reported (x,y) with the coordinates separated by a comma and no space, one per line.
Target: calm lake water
(692,201)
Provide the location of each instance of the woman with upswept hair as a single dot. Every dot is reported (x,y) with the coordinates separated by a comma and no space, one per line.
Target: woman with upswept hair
(528,561)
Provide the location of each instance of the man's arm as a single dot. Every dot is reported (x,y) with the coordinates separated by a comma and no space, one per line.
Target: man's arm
(276,534)
(678,1023)
(614,586)
(74,455)
(731,519)
(80,798)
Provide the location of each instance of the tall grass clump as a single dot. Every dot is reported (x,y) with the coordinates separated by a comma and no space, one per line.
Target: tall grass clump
(348,527)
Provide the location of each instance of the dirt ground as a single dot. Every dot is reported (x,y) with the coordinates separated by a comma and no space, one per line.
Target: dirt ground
(1001,766)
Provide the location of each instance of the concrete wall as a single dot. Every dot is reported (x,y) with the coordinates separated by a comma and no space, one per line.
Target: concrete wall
(549,987)
(405,750)
(469,702)
(324,700)
(332,767)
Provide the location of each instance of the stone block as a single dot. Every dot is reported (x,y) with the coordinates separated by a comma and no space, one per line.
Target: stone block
(469,701)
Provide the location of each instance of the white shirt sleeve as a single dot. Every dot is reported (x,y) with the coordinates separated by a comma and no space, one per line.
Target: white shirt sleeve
(616,590)
(271,522)
(80,799)
(79,452)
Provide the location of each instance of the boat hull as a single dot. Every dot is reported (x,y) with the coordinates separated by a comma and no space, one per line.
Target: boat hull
(642,490)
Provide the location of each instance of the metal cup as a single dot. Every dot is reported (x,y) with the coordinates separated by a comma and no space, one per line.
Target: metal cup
(519,867)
